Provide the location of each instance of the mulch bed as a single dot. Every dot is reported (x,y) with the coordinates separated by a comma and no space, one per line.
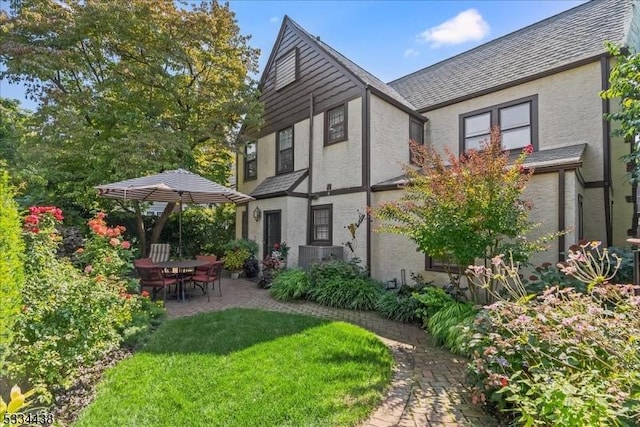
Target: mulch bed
(69,402)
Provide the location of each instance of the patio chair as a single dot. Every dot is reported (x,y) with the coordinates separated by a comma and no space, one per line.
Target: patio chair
(209,258)
(151,276)
(213,273)
(160,252)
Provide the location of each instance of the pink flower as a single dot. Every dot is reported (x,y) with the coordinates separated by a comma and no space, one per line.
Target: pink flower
(114,242)
(144,294)
(528,149)
(126,244)
(276,246)
(88,269)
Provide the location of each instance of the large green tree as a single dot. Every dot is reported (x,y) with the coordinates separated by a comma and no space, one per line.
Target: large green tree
(128,88)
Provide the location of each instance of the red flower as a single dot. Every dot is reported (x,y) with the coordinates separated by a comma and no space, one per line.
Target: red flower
(504,382)
(126,244)
(528,149)
(144,294)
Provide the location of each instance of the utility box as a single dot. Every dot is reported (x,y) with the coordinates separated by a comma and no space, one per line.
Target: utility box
(309,255)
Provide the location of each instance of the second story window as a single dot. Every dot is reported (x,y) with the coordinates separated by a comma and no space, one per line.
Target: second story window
(416,132)
(250,162)
(335,125)
(284,151)
(517,121)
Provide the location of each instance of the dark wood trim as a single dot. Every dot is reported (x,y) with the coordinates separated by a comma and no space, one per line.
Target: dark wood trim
(310,154)
(494,118)
(594,184)
(580,228)
(397,104)
(313,242)
(561,214)
(606,151)
(429,265)
(345,136)
(244,224)
(512,83)
(387,187)
(282,194)
(339,191)
(366,166)
(293,150)
(539,170)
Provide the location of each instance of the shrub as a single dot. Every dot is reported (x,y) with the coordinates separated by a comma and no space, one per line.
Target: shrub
(447,326)
(69,318)
(11,268)
(577,352)
(234,259)
(398,305)
(247,244)
(625,272)
(204,230)
(146,317)
(290,285)
(360,293)
(430,300)
(546,276)
(329,271)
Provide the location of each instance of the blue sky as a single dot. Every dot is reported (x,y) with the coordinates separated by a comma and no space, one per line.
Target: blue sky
(387,38)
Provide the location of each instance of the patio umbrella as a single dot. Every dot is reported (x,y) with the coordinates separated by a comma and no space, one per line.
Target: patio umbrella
(178,186)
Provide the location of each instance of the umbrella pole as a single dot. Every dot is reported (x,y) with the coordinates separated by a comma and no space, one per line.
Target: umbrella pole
(180,227)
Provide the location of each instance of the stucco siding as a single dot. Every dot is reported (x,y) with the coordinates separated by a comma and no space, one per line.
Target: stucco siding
(389,140)
(594,223)
(621,210)
(338,164)
(390,253)
(266,163)
(345,209)
(569,113)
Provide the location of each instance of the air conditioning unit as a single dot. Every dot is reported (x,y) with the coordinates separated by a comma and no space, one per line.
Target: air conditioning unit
(308,255)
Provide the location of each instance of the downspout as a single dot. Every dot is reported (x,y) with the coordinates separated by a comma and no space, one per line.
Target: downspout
(310,169)
(606,150)
(367,167)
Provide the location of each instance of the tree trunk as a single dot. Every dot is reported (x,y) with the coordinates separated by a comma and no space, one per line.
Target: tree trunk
(157,228)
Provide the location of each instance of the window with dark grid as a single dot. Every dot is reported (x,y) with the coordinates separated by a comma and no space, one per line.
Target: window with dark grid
(336,125)
(517,122)
(416,133)
(321,223)
(284,160)
(250,162)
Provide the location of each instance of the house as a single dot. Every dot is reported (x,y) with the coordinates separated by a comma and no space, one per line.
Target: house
(335,137)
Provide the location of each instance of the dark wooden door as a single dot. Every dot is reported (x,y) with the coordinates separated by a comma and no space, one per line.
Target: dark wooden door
(272,230)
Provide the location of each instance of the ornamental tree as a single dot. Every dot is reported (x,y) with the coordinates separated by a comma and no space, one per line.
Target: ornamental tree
(459,209)
(126,89)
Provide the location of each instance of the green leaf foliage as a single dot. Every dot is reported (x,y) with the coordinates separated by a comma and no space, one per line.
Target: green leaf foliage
(447,325)
(11,264)
(290,284)
(127,89)
(623,85)
(344,285)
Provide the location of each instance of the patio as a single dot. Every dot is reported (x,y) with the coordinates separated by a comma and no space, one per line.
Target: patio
(427,387)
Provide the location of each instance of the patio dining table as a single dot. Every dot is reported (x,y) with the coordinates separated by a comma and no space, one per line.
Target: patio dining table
(182,266)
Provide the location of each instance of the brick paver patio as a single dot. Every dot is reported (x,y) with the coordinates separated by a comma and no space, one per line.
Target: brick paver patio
(427,387)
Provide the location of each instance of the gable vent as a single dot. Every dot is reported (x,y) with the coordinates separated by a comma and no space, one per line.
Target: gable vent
(286,69)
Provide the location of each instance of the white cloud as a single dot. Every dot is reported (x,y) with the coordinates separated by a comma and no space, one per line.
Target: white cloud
(410,53)
(465,26)
(274,19)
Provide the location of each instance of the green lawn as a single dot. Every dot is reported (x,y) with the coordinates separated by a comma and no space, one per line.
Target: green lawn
(246,368)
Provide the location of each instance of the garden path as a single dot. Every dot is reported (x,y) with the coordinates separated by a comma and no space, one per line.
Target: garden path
(427,388)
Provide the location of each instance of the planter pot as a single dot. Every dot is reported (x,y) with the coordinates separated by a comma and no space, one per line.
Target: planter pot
(235,274)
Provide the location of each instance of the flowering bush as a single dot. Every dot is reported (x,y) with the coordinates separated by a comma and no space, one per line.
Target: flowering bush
(562,358)
(105,252)
(68,318)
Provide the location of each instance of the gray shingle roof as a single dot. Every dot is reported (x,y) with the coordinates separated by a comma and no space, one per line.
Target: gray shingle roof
(279,184)
(362,74)
(574,35)
(553,157)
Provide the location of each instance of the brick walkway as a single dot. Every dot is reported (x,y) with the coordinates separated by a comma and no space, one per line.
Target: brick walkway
(427,387)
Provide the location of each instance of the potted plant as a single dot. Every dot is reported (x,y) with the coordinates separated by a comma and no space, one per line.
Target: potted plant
(234,260)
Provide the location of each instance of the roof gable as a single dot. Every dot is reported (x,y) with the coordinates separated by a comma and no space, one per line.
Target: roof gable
(574,36)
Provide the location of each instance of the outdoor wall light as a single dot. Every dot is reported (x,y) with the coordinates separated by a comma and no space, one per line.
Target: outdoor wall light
(257,214)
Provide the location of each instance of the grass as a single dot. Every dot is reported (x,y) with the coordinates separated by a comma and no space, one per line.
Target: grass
(245,367)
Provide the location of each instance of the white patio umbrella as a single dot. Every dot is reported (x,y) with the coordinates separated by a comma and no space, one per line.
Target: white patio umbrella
(178,186)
